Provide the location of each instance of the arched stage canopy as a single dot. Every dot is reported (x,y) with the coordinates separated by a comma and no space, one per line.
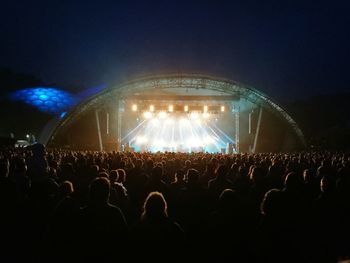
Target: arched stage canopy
(261,124)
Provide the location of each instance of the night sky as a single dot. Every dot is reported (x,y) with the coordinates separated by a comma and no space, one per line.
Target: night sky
(287,49)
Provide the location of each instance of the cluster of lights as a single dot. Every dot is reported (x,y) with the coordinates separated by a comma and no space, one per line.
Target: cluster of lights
(162,115)
(46,99)
(134,107)
(163,131)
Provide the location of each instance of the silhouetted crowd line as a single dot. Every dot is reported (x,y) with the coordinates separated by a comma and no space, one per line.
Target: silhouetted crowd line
(70,206)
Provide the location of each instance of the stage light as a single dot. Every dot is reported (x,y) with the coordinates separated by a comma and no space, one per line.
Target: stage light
(158,143)
(147,114)
(155,122)
(183,121)
(169,121)
(186,108)
(205,108)
(134,107)
(222,108)
(194,115)
(162,114)
(208,140)
(178,133)
(141,139)
(171,108)
(206,115)
(151,108)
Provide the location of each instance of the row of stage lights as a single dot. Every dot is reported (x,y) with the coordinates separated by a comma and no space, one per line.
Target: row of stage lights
(163,115)
(171,108)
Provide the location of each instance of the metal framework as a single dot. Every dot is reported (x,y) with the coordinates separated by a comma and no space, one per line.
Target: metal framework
(190,81)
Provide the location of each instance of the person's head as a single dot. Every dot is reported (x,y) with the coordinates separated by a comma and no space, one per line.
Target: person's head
(221,171)
(192,176)
(38,149)
(103,174)
(327,184)
(308,176)
(293,181)
(256,174)
(99,190)
(179,175)
(113,176)
(273,202)
(66,188)
(155,206)
(121,175)
(157,173)
(138,163)
(228,200)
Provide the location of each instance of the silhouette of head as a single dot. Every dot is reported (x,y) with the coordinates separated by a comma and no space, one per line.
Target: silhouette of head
(228,199)
(180,175)
(327,184)
(38,149)
(273,202)
(121,175)
(293,181)
(113,176)
(155,206)
(99,190)
(257,174)
(66,188)
(157,173)
(308,176)
(192,176)
(221,171)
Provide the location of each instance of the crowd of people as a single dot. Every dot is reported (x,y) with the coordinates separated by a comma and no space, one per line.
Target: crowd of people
(74,206)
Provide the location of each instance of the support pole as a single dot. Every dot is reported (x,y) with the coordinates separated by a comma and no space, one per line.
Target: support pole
(257,130)
(99,130)
(119,126)
(107,124)
(237,129)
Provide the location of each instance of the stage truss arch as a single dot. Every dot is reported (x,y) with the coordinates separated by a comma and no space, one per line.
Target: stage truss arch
(168,82)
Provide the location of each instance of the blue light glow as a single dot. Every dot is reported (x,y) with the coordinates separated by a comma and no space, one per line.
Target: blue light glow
(50,100)
(63,114)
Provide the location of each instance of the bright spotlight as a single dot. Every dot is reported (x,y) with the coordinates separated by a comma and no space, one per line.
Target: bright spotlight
(205,108)
(183,121)
(158,143)
(208,140)
(162,114)
(141,139)
(206,115)
(169,121)
(134,107)
(147,114)
(222,108)
(151,108)
(155,122)
(171,108)
(194,115)
(186,108)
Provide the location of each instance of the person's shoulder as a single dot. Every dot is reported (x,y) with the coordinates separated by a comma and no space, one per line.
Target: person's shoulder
(114,209)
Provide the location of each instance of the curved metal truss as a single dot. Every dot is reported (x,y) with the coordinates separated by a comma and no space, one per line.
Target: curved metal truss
(189,81)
